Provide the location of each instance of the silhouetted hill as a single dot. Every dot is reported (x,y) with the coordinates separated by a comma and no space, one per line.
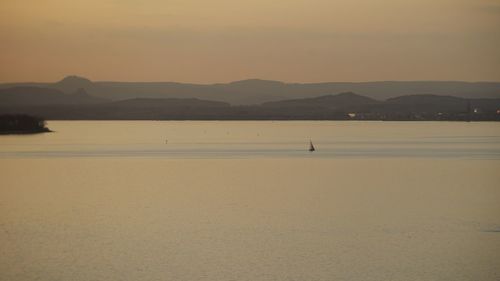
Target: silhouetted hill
(424,99)
(256,83)
(427,103)
(168,103)
(71,84)
(323,107)
(439,104)
(132,109)
(44,96)
(256,91)
(29,95)
(345,106)
(339,101)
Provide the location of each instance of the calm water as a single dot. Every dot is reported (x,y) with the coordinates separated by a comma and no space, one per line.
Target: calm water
(246,201)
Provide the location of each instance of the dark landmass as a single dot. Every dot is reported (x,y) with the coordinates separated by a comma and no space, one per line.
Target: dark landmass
(256,91)
(344,106)
(36,96)
(21,124)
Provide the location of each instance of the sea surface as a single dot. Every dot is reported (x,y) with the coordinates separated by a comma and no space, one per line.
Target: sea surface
(224,200)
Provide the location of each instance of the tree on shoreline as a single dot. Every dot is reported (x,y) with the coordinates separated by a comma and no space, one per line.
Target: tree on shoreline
(22,123)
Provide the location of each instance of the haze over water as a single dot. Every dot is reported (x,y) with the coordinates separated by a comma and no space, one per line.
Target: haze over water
(150,200)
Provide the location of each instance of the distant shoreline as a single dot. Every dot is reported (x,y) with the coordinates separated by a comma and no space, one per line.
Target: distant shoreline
(275,120)
(27,132)
(343,106)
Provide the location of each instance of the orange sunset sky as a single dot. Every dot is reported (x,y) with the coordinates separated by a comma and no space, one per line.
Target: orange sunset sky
(226,40)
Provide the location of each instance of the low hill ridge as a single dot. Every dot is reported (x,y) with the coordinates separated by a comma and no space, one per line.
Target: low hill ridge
(44,96)
(259,91)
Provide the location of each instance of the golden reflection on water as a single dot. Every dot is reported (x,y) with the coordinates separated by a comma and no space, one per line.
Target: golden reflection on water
(246,218)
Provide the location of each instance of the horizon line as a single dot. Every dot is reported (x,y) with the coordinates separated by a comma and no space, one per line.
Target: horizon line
(248,79)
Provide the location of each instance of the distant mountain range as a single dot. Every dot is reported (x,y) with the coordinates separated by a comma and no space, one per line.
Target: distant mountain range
(54,104)
(255,91)
(30,95)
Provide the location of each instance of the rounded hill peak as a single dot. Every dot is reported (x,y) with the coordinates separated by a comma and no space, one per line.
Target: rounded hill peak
(70,84)
(73,79)
(256,82)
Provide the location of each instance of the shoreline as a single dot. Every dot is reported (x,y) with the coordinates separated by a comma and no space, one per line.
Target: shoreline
(27,132)
(275,120)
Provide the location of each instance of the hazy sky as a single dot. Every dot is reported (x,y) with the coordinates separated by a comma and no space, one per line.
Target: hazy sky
(223,40)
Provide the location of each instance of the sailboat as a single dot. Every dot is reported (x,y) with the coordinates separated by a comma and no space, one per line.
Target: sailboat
(311,146)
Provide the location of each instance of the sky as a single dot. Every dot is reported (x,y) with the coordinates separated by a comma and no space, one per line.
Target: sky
(203,41)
